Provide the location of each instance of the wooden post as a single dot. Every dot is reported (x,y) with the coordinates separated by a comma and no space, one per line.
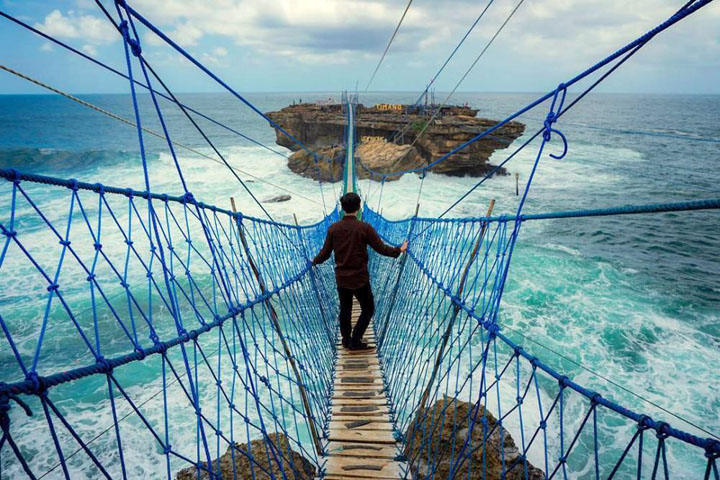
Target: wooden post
(517,184)
(456,308)
(276,325)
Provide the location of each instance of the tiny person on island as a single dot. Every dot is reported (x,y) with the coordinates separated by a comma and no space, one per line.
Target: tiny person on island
(349,239)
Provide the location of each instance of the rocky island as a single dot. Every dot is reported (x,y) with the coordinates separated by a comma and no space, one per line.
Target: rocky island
(390,138)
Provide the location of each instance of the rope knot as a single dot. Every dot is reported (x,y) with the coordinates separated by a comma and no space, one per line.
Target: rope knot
(90,277)
(65,243)
(188,198)
(493,329)
(595,398)
(104,365)
(73,184)
(563,381)
(183,335)
(8,233)
(123,27)
(37,382)
(98,246)
(141,351)
(53,287)
(16,176)
(264,380)
(712,449)
(662,430)
(643,422)
(543,424)
(99,188)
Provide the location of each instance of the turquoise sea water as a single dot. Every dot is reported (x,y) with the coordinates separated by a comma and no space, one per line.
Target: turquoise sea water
(635,298)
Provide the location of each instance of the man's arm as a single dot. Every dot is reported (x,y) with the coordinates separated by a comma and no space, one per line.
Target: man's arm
(325,251)
(377,244)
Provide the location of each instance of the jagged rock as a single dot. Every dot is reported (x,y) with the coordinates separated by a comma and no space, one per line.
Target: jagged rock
(383,157)
(321,128)
(329,166)
(278,199)
(386,157)
(294,465)
(444,427)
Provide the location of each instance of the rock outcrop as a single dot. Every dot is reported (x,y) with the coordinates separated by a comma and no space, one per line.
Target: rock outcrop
(444,426)
(294,465)
(321,128)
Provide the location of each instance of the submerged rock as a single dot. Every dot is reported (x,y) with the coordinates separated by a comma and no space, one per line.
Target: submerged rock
(294,465)
(277,199)
(436,437)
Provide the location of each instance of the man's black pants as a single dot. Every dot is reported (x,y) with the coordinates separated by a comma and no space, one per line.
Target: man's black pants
(367,305)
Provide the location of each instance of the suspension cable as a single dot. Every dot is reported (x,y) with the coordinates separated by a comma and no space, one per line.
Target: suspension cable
(392,37)
(457,85)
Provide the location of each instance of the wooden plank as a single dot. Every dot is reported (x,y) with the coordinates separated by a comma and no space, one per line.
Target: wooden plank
(375,418)
(359,409)
(360,424)
(360,433)
(349,449)
(355,467)
(349,372)
(372,361)
(363,436)
(359,394)
(358,386)
(360,401)
(369,352)
(355,371)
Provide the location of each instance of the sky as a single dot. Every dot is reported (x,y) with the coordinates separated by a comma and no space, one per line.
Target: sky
(330,45)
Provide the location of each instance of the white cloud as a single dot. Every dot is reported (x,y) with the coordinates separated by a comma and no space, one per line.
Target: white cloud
(89,28)
(215,56)
(563,30)
(47,47)
(553,34)
(89,49)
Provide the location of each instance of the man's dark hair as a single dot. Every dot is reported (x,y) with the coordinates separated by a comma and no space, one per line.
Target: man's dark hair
(350,202)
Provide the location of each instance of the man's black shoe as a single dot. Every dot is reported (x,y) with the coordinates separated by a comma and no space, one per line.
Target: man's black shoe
(360,346)
(346,342)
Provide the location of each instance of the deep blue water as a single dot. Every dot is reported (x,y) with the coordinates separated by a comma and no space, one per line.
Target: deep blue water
(634,298)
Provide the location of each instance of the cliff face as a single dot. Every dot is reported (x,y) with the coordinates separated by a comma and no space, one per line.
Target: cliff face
(321,128)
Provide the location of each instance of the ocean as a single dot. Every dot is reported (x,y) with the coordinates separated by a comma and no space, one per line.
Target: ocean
(634,299)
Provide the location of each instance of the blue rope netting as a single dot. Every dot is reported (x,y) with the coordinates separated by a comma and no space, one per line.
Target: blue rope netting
(190,330)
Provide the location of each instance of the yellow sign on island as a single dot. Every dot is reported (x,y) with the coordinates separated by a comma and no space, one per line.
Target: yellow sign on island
(389,106)
(372,138)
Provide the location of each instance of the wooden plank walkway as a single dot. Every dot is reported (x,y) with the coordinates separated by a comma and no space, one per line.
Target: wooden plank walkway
(361,436)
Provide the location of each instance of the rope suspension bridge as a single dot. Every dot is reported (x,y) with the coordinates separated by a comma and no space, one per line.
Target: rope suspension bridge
(206,339)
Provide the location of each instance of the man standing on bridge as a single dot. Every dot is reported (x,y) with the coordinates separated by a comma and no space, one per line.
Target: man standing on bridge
(349,239)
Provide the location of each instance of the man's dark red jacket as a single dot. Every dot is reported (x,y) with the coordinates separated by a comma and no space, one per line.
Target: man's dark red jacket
(349,239)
